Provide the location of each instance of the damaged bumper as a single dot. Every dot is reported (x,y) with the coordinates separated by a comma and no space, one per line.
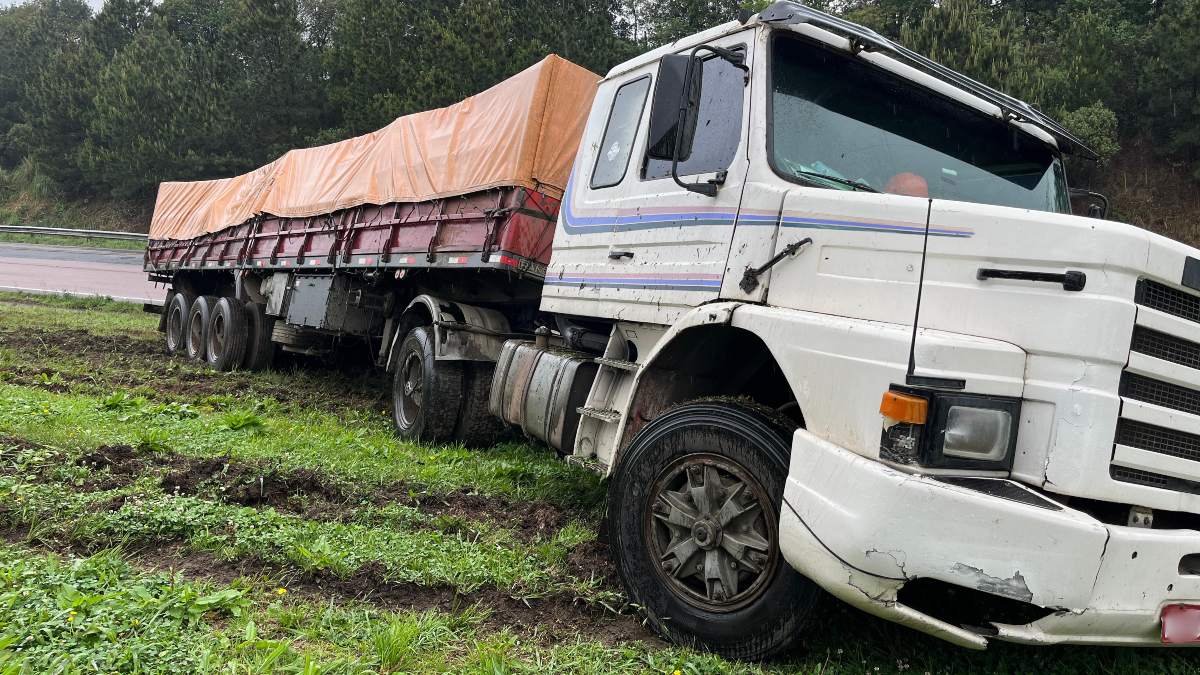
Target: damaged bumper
(862,531)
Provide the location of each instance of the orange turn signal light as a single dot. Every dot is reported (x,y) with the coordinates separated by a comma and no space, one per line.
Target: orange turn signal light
(904,407)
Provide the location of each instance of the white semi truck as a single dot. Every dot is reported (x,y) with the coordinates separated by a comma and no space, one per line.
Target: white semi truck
(819,310)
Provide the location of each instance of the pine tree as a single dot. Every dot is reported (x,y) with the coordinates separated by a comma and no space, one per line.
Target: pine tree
(29,35)
(157,117)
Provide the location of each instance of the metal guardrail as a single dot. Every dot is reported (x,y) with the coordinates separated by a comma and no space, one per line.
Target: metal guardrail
(66,232)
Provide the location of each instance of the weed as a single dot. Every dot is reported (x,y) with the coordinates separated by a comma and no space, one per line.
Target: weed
(236,420)
(153,440)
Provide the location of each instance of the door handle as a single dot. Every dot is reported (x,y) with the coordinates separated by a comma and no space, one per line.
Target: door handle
(1071,280)
(617,255)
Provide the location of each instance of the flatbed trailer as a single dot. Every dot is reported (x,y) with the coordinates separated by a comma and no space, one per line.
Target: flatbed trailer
(508,229)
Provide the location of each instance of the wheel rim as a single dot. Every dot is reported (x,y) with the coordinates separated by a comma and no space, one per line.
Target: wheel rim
(174,328)
(196,333)
(711,528)
(410,393)
(216,336)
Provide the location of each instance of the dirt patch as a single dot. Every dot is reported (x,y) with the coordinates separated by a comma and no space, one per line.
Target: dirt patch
(593,560)
(301,491)
(11,446)
(529,520)
(313,494)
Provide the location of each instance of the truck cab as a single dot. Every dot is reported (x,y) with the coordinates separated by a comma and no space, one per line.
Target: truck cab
(849,335)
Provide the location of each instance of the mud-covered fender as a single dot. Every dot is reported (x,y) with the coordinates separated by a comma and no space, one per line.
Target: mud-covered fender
(461,332)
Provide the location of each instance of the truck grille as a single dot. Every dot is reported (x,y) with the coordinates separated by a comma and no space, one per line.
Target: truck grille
(1154,480)
(1142,388)
(1165,347)
(1170,300)
(1171,446)
(1157,439)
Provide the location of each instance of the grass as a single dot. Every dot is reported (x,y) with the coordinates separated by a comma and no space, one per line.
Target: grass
(60,240)
(283,578)
(102,614)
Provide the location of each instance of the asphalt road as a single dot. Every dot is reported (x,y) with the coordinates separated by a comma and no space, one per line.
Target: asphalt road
(76,270)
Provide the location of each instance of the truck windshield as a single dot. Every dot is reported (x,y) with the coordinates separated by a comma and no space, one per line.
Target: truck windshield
(838,116)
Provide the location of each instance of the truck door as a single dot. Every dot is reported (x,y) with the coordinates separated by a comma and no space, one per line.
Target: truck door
(631,243)
(865,257)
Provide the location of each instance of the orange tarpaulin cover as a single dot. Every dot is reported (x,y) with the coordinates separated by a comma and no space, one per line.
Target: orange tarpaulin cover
(521,132)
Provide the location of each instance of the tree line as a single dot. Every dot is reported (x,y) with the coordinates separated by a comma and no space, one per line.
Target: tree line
(111,103)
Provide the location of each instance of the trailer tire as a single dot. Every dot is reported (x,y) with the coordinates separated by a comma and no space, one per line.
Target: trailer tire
(735,596)
(226,335)
(260,350)
(426,393)
(176,319)
(477,428)
(197,327)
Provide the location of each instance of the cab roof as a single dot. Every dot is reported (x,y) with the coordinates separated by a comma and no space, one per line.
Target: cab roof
(860,39)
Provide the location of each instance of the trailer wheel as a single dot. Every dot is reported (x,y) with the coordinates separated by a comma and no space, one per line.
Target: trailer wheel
(426,393)
(260,350)
(197,326)
(175,326)
(227,334)
(477,428)
(693,512)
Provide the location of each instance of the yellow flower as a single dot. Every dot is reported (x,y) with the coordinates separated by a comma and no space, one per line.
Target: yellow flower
(280,591)
(677,672)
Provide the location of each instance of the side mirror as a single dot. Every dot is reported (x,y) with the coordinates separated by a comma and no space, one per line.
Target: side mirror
(1093,204)
(676,99)
(680,81)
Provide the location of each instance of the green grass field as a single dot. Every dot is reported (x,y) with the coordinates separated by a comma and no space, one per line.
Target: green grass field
(59,240)
(159,517)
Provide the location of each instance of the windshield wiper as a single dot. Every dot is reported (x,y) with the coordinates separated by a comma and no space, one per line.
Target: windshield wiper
(862,187)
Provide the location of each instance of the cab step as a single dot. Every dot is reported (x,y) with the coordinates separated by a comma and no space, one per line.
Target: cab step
(603,415)
(618,364)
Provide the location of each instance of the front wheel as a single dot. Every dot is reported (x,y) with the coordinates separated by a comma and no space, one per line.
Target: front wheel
(693,512)
(427,394)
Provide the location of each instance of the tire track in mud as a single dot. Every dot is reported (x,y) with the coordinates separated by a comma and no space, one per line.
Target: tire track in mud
(545,620)
(312,495)
(112,362)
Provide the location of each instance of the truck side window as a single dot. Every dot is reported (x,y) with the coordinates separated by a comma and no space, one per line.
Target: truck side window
(718,126)
(617,144)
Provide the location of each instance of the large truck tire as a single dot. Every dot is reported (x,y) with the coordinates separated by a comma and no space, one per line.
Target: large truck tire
(693,513)
(226,335)
(477,428)
(176,319)
(426,393)
(260,350)
(197,326)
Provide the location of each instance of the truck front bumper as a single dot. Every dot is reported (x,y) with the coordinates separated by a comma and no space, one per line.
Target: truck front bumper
(861,530)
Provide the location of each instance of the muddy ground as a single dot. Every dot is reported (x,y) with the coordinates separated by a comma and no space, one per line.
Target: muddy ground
(79,360)
(313,495)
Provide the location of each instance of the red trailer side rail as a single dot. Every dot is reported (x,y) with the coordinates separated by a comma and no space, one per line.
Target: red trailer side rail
(508,228)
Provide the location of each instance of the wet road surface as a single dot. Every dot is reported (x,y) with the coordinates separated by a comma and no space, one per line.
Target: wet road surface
(76,270)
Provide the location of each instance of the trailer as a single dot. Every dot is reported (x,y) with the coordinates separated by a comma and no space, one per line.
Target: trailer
(817,307)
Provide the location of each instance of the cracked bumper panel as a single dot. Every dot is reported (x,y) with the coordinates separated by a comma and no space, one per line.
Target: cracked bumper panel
(1139,575)
(860,529)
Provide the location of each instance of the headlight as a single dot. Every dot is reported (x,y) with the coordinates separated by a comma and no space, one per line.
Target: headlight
(976,433)
(961,431)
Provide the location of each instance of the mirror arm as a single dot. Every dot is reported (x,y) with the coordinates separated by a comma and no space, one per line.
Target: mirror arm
(738,60)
